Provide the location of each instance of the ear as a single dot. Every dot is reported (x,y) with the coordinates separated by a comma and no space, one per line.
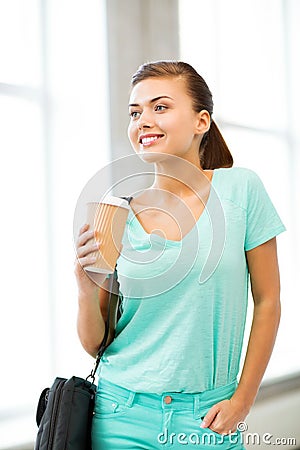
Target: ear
(202,122)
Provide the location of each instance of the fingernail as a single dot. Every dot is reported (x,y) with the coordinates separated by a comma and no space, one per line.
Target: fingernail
(203,424)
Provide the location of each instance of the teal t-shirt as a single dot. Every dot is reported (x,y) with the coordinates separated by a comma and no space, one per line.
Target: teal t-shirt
(185,302)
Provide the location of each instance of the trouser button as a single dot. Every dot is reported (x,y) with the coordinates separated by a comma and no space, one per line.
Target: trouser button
(168,399)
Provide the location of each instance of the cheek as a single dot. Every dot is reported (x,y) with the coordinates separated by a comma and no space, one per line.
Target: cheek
(172,125)
(131,132)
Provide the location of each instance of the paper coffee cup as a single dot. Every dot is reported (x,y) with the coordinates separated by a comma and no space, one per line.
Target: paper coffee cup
(108,219)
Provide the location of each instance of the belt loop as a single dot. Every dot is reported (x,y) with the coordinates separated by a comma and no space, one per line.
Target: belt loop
(196,405)
(130,399)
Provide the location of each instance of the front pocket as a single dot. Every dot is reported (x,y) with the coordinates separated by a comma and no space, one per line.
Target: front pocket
(108,405)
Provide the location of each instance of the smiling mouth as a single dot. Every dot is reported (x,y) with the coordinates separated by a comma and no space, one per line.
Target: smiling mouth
(148,140)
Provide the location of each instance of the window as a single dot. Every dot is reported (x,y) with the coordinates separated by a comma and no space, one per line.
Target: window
(54,137)
(246,52)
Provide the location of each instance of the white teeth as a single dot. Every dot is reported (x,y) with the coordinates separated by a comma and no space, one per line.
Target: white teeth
(147,140)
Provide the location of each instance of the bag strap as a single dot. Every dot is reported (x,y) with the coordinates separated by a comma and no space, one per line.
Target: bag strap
(113,305)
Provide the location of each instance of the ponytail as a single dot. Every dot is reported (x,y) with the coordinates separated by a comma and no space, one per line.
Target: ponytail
(214,152)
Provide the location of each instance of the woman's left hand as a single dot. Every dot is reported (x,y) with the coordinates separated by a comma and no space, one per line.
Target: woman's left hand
(224,416)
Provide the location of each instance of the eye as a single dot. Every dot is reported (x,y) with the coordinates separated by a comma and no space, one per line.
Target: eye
(160,108)
(134,114)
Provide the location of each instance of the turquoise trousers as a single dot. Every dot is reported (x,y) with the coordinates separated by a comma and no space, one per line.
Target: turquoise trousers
(129,420)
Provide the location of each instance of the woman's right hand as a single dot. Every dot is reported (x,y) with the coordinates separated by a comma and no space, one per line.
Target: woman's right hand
(85,246)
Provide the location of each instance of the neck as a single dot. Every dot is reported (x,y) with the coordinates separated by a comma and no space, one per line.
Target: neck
(179,176)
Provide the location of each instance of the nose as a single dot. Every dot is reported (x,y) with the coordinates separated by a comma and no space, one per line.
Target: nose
(144,120)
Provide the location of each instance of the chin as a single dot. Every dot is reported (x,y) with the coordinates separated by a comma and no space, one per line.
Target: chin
(154,157)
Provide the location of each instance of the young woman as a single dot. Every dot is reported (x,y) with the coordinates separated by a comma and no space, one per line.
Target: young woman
(193,240)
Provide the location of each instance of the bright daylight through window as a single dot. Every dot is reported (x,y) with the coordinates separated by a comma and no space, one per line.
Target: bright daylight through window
(52,100)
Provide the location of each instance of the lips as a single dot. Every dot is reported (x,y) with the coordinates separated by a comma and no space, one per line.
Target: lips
(148,139)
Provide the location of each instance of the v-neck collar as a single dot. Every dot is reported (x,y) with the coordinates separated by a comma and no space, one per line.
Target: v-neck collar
(155,236)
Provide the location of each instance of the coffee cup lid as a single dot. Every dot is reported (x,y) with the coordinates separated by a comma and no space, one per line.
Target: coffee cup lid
(115,201)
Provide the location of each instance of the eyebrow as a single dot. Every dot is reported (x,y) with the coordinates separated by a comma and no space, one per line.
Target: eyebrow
(153,100)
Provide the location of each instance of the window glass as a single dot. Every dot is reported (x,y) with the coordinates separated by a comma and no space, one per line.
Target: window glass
(52,143)
(24,321)
(238,48)
(20,42)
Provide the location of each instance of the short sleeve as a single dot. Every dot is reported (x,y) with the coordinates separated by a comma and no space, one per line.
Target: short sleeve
(263,221)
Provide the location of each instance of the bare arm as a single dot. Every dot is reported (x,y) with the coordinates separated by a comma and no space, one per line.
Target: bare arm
(265,286)
(90,322)
(92,297)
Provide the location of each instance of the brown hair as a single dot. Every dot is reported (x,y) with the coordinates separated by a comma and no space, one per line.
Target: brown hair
(213,151)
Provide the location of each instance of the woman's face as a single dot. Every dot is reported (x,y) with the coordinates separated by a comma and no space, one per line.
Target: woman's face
(162,119)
